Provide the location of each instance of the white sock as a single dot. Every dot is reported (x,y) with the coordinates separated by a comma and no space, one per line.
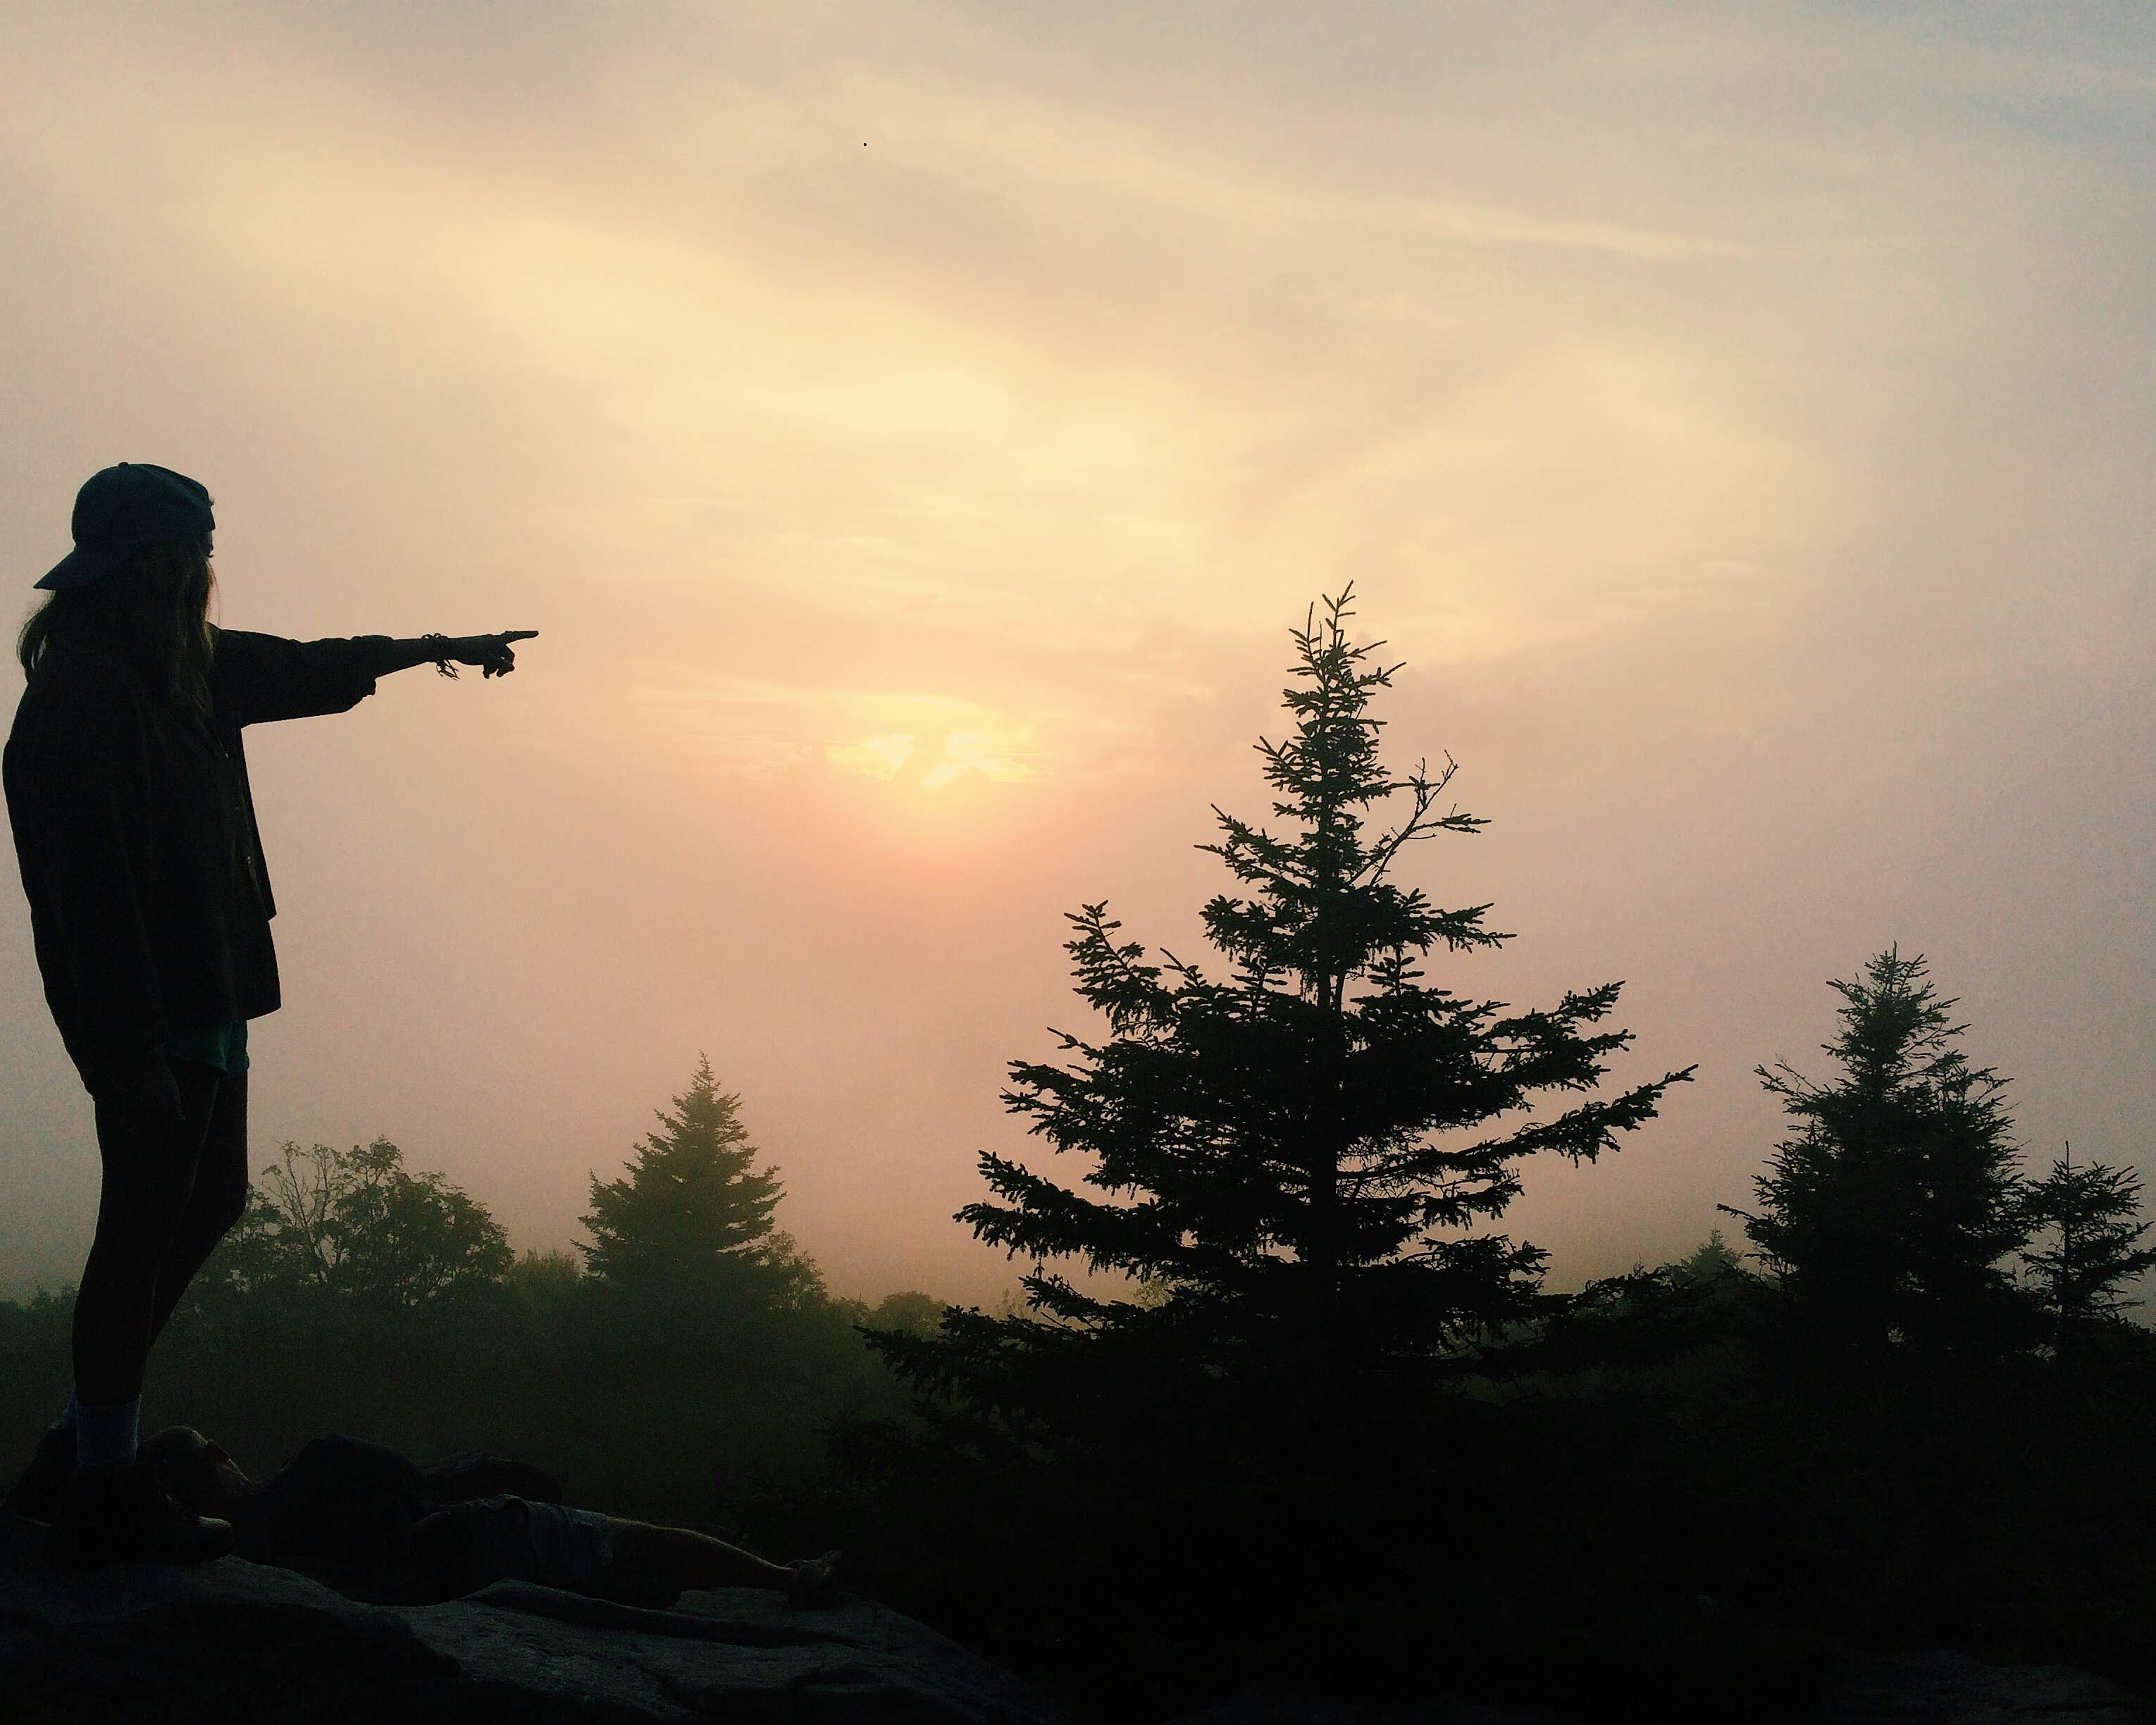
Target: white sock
(67,1414)
(104,1437)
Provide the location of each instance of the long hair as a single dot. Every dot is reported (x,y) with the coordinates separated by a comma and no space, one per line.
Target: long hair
(154,608)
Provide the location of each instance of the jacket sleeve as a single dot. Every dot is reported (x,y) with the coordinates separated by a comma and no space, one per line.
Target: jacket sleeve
(78,798)
(266,677)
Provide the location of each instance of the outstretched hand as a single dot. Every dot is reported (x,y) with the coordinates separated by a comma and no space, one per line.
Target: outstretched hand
(491,653)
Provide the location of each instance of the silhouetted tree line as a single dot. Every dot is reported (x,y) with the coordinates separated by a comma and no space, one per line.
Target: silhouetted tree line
(678,1366)
(1322,1422)
(1282,1402)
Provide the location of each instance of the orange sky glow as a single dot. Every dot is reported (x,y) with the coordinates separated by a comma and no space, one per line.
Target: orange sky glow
(913,430)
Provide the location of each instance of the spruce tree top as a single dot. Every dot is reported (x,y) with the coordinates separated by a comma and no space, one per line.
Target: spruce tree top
(692,1202)
(2088,1216)
(1888,1212)
(1313,1138)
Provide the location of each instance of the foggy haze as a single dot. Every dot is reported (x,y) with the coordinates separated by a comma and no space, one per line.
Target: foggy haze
(913,433)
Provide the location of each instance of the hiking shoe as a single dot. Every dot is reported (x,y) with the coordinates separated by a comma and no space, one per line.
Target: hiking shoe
(44,1481)
(811,1581)
(120,1515)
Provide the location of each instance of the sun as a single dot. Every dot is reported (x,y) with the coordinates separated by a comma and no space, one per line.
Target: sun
(939,760)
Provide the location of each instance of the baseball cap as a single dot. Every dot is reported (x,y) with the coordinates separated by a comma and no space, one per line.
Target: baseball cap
(122,509)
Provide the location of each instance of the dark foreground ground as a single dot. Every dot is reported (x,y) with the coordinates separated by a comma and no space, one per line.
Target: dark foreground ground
(239,1644)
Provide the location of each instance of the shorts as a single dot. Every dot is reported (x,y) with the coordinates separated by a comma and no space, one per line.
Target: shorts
(222,1046)
(464,1546)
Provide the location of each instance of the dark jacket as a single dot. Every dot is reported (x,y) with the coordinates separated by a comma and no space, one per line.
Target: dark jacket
(150,904)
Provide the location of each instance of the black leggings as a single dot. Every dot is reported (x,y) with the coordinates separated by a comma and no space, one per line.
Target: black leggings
(171,1189)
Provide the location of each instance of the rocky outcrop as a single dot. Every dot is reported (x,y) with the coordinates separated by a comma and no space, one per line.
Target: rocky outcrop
(1953,1689)
(1936,1688)
(237,1643)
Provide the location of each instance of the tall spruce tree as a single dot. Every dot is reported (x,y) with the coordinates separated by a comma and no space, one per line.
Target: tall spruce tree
(2086,1225)
(693,1216)
(1889,1214)
(1296,1159)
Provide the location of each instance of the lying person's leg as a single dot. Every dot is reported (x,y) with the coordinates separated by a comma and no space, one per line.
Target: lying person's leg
(464,1546)
(679,1558)
(686,1560)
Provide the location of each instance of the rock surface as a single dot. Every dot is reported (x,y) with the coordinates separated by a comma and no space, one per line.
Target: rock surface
(1938,1688)
(235,1643)
(238,1643)
(1954,1689)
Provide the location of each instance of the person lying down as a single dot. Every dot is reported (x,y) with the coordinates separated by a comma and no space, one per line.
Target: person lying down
(364,1518)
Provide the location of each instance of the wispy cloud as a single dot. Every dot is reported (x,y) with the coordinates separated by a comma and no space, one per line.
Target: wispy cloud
(913,424)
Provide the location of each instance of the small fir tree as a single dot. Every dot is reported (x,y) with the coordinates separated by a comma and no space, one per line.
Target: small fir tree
(1296,1161)
(694,1214)
(1712,1261)
(1889,1214)
(2089,1219)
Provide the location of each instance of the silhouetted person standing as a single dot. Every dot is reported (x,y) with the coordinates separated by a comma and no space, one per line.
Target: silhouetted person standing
(150,906)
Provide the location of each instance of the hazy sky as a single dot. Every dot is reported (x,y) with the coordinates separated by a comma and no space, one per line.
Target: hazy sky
(914,429)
